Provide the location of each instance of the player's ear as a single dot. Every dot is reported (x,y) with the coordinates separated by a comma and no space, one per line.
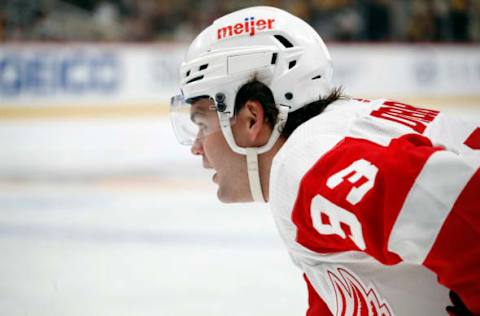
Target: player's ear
(254,120)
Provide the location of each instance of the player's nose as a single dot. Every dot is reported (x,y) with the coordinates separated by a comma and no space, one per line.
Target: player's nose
(197,147)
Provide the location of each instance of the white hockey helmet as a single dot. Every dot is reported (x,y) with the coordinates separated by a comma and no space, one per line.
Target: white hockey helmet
(279,49)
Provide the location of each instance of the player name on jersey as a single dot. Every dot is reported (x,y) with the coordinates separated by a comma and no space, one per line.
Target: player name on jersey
(415,118)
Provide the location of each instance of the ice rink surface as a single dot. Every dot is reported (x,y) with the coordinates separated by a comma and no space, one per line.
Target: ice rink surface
(104,247)
(111,217)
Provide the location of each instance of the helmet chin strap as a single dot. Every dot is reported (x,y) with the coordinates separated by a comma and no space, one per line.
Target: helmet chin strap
(254,175)
(252,153)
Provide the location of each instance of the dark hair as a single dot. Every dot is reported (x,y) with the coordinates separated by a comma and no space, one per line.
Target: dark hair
(255,90)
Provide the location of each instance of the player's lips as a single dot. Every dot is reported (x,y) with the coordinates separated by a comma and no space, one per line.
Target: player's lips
(215,178)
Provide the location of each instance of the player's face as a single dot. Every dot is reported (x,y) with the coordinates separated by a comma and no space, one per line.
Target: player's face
(230,167)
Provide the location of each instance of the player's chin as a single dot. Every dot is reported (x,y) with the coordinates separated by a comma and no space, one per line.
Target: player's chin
(225,195)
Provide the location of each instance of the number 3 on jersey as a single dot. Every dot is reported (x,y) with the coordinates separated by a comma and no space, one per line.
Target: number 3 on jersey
(361,175)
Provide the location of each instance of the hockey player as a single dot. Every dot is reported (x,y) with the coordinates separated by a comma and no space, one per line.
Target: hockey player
(377,201)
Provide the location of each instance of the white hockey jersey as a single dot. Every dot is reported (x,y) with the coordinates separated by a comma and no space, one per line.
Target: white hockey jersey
(378,203)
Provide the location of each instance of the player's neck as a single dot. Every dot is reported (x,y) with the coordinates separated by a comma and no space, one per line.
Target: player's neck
(265,165)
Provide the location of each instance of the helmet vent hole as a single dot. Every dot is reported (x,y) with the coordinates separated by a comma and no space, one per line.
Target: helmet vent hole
(188,73)
(195,79)
(284,41)
(274,59)
(203,67)
(292,64)
(317,77)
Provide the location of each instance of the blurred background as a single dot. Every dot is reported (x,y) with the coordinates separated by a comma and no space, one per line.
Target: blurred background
(103,213)
(153,20)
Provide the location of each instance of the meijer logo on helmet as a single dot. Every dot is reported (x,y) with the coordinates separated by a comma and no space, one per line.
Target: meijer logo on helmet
(250,26)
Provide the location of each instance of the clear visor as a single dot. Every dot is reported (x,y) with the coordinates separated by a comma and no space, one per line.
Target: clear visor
(194,119)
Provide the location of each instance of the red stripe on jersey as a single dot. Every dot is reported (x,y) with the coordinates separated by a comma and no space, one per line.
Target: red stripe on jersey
(473,141)
(316,305)
(398,165)
(455,255)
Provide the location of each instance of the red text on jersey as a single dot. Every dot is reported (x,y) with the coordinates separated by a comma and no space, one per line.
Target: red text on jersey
(415,118)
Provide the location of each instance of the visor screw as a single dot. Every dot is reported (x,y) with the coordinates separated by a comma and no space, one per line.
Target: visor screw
(220,97)
(288,96)
(219,100)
